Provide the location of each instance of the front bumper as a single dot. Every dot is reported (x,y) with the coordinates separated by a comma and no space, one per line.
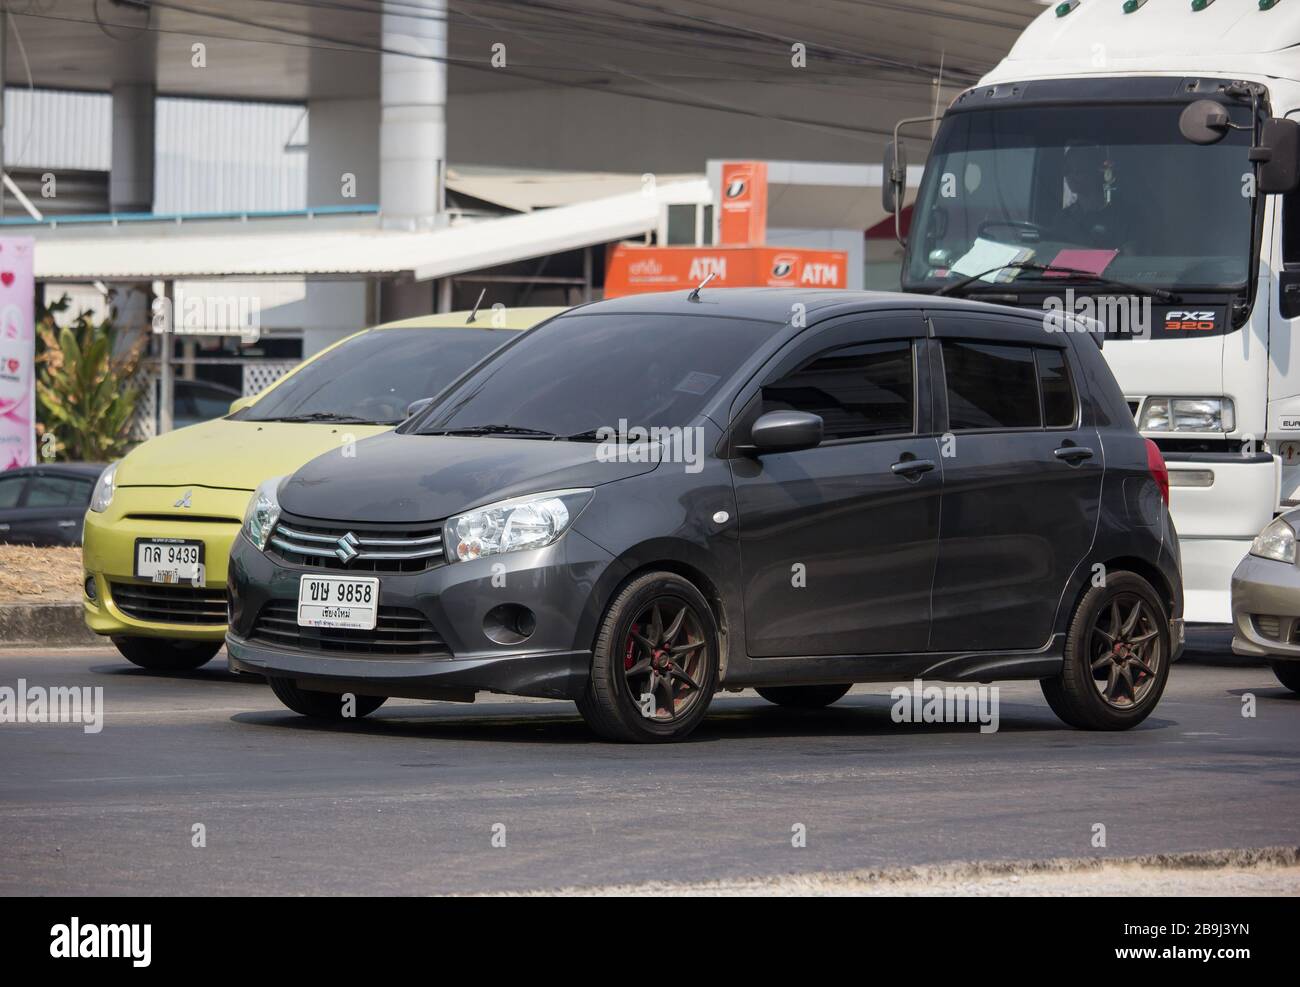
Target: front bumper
(562,584)
(1266,609)
(108,554)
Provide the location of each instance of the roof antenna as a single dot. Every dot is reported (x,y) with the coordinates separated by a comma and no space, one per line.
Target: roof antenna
(470,320)
(694,296)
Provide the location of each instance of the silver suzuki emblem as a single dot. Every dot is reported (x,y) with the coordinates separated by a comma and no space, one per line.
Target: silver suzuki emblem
(184,501)
(347,550)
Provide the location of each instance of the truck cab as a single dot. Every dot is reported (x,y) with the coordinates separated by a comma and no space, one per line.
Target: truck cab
(1134,163)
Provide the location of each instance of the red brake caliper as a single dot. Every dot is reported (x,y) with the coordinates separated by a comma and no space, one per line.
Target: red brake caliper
(628,659)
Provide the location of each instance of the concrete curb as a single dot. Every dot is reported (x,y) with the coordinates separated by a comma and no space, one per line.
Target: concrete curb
(45,625)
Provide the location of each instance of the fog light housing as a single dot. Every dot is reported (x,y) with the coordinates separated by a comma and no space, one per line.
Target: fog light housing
(90,588)
(509,624)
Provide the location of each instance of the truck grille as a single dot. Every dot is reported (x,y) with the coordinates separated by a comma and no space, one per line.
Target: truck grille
(165,604)
(399,632)
(357,548)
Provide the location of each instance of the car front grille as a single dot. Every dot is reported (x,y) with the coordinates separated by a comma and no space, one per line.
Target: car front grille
(164,604)
(357,548)
(399,632)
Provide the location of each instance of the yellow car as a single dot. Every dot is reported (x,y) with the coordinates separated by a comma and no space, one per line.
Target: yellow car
(161,520)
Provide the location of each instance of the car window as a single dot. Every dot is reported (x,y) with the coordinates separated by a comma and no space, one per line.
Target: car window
(990,386)
(211,404)
(1058,391)
(858,391)
(11,489)
(580,373)
(58,491)
(375,376)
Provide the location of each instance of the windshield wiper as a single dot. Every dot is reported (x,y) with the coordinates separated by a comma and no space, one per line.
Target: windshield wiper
(325,416)
(493,430)
(1160,294)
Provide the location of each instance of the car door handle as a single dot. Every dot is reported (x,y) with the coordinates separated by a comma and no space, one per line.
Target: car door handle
(1073,454)
(4,527)
(912,467)
(67,524)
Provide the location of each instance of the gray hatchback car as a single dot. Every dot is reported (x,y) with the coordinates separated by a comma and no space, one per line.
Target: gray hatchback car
(646,500)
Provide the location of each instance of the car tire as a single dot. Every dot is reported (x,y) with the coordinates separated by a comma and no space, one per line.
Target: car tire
(1288,673)
(321,705)
(166,654)
(636,666)
(804,696)
(1134,665)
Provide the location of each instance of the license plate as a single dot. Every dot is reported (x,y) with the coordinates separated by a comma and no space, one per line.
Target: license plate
(338,601)
(169,560)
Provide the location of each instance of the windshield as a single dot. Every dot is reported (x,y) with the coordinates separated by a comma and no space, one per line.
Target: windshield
(373,377)
(1114,190)
(580,373)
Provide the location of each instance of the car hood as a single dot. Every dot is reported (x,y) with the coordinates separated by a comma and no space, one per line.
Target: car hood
(235,455)
(403,478)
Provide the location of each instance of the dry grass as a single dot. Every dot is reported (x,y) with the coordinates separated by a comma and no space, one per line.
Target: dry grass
(39,575)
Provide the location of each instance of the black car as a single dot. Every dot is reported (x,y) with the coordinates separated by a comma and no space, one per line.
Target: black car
(44,505)
(645,500)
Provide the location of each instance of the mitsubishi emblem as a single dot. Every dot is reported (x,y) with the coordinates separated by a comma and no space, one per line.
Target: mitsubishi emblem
(184,501)
(347,550)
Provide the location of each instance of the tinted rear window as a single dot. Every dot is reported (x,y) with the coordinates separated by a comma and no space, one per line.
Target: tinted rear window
(990,386)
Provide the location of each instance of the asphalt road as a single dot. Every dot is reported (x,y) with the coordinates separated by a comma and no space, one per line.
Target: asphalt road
(407,801)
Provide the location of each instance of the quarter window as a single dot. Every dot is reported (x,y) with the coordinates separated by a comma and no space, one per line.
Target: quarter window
(859,391)
(1058,394)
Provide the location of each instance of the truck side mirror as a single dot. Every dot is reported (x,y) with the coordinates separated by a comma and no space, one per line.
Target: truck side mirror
(893,177)
(1278,155)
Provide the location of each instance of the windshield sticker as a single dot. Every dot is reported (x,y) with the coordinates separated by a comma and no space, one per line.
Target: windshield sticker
(697,382)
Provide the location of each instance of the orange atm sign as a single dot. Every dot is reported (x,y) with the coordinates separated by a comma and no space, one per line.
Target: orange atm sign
(633,269)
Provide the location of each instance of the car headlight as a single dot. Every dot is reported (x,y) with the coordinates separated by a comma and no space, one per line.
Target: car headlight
(512,525)
(102,495)
(1187,415)
(263,511)
(1277,541)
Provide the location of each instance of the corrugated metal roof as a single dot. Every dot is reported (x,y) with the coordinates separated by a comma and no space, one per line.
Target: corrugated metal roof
(438,253)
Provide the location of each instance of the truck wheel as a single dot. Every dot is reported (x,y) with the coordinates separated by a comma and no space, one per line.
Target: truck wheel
(166,654)
(804,696)
(321,705)
(1116,657)
(655,664)
(1288,673)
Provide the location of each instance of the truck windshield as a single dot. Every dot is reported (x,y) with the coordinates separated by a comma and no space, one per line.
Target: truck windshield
(1112,189)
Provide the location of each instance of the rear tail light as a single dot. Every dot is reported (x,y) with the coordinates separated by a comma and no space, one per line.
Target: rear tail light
(1159,471)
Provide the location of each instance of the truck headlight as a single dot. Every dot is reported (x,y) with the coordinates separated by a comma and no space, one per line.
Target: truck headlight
(512,525)
(102,495)
(1277,541)
(1187,415)
(263,511)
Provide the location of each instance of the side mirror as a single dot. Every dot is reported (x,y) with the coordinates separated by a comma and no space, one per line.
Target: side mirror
(1278,156)
(415,407)
(893,180)
(239,404)
(786,431)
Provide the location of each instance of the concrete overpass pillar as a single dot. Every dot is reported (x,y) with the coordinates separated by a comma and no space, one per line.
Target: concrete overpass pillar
(130,180)
(413,114)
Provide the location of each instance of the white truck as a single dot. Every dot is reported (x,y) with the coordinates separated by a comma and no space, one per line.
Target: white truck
(1135,161)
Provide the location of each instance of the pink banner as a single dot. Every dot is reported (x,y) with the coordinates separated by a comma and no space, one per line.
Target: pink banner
(17,354)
